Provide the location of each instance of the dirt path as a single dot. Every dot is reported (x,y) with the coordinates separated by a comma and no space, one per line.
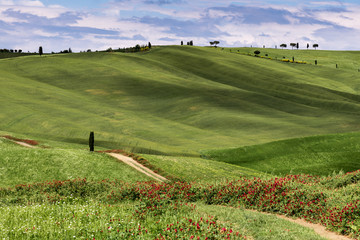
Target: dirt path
(319,229)
(131,162)
(25,144)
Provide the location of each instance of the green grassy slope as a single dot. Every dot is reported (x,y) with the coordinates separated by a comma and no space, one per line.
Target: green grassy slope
(174,99)
(200,170)
(20,165)
(321,155)
(346,60)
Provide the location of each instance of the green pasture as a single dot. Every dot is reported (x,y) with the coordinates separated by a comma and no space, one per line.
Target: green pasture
(200,170)
(346,60)
(174,100)
(204,115)
(20,165)
(319,155)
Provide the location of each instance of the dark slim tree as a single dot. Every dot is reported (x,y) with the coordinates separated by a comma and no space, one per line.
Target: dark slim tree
(70,51)
(307,46)
(182,43)
(91,141)
(149,45)
(297,45)
(191,43)
(40,51)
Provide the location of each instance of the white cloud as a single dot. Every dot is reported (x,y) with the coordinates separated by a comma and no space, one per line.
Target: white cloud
(6,2)
(240,23)
(30,3)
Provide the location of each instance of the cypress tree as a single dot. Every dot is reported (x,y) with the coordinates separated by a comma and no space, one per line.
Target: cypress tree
(91,141)
(40,51)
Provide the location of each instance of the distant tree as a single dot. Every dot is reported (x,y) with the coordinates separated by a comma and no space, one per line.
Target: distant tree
(20,51)
(40,51)
(293,45)
(216,43)
(149,45)
(182,43)
(191,43)
(315,45)
(283,45)
(89,50)
(307,46)
(257,52)
(188,43)
(212,43)
(297,45)
(11,50)
(70,51)
(137,48)
(109,49)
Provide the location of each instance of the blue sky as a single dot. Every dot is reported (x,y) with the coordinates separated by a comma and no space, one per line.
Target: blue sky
(99,24)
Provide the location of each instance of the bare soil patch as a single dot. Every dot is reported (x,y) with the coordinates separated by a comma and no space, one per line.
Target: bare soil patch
(131,162)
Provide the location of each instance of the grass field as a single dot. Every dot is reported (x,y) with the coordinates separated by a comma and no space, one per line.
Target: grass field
(320,155)
(346,60)
(174,100)
(20,165)
(228,125)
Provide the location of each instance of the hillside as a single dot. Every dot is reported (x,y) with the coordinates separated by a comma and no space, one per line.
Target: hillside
(175,100)
(318,155)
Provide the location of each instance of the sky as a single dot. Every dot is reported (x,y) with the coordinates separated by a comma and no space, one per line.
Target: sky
(100,24)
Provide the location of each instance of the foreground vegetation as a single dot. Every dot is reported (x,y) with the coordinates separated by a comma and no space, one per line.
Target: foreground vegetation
(148,210)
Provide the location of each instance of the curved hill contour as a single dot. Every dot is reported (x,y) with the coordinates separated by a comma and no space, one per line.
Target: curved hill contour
(175,100)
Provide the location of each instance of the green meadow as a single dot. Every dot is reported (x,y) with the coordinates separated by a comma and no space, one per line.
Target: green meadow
(174,100)
(203,115)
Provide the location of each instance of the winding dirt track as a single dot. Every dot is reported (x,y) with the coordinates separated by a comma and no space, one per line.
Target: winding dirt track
(131,162)
(25,144)
(319,229)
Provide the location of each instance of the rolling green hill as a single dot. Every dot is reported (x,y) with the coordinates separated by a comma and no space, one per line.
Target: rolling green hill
(346,60)
(319,155)
(175,100)
(171,105)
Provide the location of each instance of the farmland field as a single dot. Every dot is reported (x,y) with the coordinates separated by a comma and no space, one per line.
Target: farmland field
(226,127)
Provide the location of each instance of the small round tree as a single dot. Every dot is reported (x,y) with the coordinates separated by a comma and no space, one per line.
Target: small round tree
(283,45)
(257,52)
